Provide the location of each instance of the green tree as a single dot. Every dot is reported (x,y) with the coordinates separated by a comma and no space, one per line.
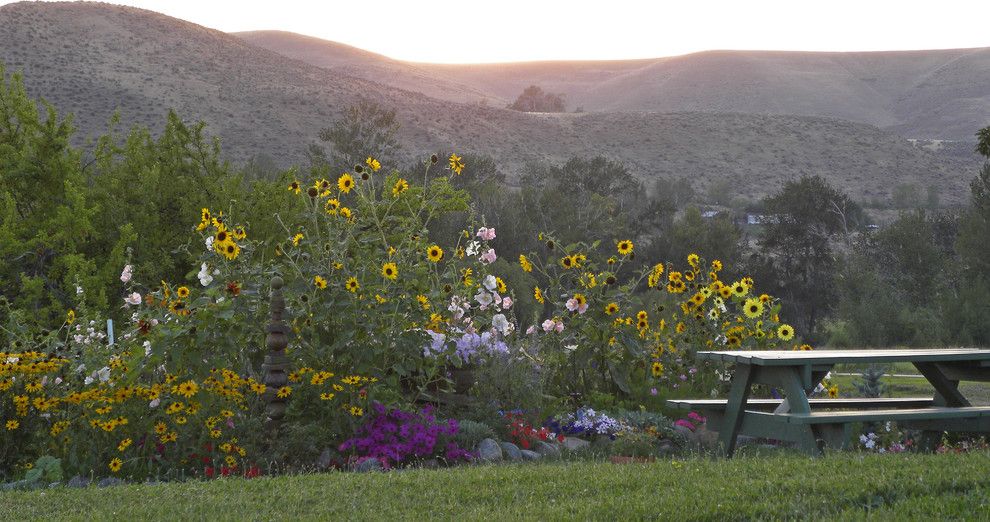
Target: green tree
(534,99)
(796,252)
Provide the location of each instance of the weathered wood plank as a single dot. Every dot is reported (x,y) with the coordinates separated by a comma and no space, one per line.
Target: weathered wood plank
(822,357)
(770,404)
(932,413)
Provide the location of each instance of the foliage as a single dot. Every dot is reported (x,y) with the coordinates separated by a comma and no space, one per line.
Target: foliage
(397,437)
(533,99)
(804,218)
(634,444)
(366,129)
(870,384)
(470,433)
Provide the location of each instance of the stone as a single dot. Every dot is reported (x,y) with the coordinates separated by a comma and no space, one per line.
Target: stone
(576,444)
(369,465)
(529,455)
(325,459)
(511,451)
(489,451)
(110,481)
(78,481)
(54,485)
(546,449)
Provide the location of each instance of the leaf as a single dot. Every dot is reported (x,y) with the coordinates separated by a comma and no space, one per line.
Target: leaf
(620,378)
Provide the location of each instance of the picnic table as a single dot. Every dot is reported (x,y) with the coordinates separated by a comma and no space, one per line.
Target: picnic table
(813,423)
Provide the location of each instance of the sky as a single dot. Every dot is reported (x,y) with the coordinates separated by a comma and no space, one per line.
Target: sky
(469,31)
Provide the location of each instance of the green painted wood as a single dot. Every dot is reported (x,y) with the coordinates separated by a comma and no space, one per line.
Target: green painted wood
(816,404)
(790,357)
(734,411)
(948,389)
(935,412)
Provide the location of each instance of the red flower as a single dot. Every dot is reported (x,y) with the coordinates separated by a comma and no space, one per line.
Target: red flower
(225,471)
(252,472)
(209,471)
(234,288)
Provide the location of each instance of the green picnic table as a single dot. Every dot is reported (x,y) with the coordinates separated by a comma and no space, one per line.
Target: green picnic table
(814,423)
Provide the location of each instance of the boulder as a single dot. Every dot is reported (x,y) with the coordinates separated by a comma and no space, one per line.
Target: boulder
(576,444)
(78,481)
(529,455)
(489,451)
(546,449)
(511,451)
(109,482)
(325,459)
(369,465)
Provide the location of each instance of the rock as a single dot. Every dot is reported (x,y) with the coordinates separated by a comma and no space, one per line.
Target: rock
(325,459)
(575,444)
(110,481)
(54,485)
(489,451)
(511,451)
(546,449)
(369,465)
(78,481)
(530,455)
(709,439)
(685,432)
(430,464)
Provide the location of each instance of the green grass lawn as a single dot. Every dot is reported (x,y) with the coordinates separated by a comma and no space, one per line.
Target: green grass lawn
(838,486)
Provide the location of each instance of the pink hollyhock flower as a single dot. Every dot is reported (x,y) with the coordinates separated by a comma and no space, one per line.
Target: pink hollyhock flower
(548,325)
(486,234)
(125,276)
(133,299)
(489,257)
(506,302)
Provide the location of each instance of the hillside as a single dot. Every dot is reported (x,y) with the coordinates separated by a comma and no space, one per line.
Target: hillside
(90,58)
(943,94)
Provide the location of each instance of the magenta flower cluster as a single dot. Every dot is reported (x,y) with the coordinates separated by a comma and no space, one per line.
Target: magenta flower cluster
(394,437)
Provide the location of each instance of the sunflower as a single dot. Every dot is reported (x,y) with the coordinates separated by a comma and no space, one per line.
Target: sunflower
(764,298)
(697,299)
(345,183)
(716,266)
(733,341)
(611,308)
(785,332)
(178,308)
(115,464)
(740,289)
(538,294)
(400,186)
(624,247)
(182,292)
(373,164)
(326,396)
(805,348)
(642,315)
(568,262)
(345,213)
(833,391)
(424,302)
(319,282)
(352,284)
(434,253)
(466,277)
(239,233)
(331,206)
(455,163)
(284,392)
(297,238)
(500,285)
(70,317)
(693,260)
(222,236)
(293,187)
(525,264)
(230,250)
(753,308)
(580,298)
(390,271)
(205,219)
(656,369)
(356,411)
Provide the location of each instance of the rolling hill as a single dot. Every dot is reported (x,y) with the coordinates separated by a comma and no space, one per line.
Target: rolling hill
(943,94)
(91,58)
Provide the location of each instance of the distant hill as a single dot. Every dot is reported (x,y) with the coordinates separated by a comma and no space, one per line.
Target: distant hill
(90,58)
(943,94)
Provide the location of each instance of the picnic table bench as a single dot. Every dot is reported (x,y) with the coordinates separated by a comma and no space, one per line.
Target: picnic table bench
(814,423)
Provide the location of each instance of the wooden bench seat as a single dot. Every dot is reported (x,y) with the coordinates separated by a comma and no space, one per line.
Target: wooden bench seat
(816,404)
(913,414)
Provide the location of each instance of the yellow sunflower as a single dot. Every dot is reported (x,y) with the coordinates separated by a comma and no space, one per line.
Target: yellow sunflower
(624,247)
(390,271)
(434,253)
(345,183)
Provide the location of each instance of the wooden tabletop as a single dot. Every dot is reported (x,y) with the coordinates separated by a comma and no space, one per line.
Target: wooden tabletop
(797,357)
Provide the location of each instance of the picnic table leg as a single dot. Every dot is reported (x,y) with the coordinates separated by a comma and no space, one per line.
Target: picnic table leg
(735,407)
(946,394)
(797,400)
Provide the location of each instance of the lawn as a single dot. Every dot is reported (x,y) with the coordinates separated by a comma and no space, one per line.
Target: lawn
(841,486)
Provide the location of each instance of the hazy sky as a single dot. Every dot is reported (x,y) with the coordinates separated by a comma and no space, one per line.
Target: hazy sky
(515,30)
